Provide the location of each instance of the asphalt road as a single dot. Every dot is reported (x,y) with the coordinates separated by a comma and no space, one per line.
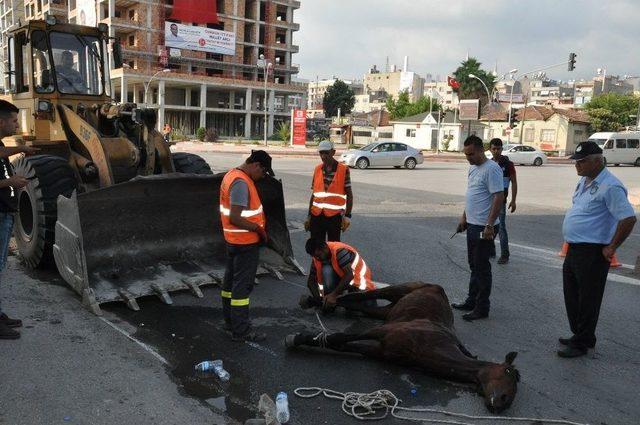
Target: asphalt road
(401,225)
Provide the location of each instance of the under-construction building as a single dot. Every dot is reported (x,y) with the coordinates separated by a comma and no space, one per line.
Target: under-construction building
(200,89)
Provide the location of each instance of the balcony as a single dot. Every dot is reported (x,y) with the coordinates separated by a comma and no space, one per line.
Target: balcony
(124,25)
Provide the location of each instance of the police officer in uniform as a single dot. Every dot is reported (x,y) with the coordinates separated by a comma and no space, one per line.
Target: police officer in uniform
(595,226)
(243,224)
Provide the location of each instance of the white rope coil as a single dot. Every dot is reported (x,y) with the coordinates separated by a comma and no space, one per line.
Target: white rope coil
(382,403)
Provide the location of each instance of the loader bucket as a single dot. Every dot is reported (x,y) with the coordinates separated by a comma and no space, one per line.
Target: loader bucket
(153,235)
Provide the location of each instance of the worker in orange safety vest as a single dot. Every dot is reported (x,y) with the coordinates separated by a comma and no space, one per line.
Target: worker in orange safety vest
(336,268)
(243,224)
(331,198)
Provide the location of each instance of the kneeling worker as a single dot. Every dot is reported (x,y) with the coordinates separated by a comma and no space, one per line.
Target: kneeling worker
(336,268)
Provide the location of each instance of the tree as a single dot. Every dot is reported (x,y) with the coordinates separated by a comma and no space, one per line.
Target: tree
(402,107)
(611,111)
(471,88)
(284,132)
(603,120)
(339,95)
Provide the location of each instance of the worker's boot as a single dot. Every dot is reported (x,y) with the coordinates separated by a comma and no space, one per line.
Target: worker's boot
(8,333)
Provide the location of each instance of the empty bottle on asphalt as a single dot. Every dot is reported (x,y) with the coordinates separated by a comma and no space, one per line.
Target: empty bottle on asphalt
(282,407)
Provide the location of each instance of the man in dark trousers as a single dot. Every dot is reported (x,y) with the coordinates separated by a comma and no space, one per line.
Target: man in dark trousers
(509,178)
(595,226)
(484,199)
(9,184)
(243,223)
(331,198)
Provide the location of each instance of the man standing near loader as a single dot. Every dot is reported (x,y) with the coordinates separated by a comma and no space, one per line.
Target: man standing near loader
(331,197)
(9,183)
(243,224)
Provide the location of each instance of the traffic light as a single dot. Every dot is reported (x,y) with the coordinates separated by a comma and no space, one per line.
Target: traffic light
(512,119)
(571,65)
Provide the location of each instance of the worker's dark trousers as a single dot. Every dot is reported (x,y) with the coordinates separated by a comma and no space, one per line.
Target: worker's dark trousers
(478,252)
(584,275)
(239,278)
(326,228)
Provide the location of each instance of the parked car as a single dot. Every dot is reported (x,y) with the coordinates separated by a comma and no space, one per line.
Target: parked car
(383,154)
(522,154)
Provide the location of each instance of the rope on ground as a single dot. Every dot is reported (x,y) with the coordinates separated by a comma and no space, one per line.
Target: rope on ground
(382,403)
(322,336)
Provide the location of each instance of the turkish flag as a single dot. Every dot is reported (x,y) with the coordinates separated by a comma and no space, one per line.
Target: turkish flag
(197,11)
(453,83)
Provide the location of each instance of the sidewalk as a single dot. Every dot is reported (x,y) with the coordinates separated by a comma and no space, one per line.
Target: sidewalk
(299,151)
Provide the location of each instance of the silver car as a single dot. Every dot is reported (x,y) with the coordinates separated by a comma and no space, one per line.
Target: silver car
(383,154)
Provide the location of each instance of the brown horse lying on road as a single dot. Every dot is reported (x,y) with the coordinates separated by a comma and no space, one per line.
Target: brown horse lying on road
(419,332)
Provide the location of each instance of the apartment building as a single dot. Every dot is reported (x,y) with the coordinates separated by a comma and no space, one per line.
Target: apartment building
(442,92)
(394,82)
(600,84)
(550,93)
(317,89)
(228,91)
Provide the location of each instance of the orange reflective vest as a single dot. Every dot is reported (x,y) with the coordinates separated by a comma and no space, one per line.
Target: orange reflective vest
(333,200)
(254,213)
(361,273)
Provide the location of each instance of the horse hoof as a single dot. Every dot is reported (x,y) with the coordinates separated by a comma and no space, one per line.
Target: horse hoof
(290,341)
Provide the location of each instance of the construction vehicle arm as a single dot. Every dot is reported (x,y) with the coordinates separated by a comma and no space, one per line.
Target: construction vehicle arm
(6,152)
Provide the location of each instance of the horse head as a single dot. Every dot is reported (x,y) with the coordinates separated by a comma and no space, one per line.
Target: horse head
(498,384)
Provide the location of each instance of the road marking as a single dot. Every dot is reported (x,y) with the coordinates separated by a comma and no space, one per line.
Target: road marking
(144,346)
(554,253)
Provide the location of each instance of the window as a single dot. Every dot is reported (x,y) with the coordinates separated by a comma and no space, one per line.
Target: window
(131,41)
(41,66)
(621,144)
(528,135)
(548,136)
(78,62)
(399,147)
(411,132)
(609,144)
(633,143)
(528,149)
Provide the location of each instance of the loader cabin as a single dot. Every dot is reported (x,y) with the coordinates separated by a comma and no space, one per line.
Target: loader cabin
(50,62)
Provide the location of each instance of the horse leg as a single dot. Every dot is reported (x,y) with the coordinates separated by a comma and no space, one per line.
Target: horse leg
(390,293)
(343,342)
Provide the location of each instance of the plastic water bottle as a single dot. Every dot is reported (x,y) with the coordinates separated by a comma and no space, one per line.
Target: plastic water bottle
(282,407)
(216,367)
(220,371)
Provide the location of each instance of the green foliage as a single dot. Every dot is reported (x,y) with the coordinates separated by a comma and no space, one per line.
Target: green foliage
(471,88)
(611,111)
(339,95)
(200,133)
(211,135)
(446,142)
(284,132)
(402,107)
(178,135)
(604,120)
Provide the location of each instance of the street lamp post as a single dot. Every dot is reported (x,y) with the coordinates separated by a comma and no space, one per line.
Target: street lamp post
(146,86)
(488,98)
(266,66)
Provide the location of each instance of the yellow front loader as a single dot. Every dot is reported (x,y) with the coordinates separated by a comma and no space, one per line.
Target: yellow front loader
(107,201)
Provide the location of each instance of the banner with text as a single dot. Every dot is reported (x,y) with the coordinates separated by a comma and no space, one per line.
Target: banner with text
(299,127)
(202,39)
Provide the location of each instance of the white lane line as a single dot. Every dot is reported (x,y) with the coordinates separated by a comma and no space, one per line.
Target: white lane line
(144,346)
(551,252)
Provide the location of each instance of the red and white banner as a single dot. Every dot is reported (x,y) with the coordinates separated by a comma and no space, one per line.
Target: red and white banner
(299,127)
(198,11)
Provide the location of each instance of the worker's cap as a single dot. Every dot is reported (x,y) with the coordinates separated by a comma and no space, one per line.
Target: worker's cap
(263,158)
(325,146)
(585,149)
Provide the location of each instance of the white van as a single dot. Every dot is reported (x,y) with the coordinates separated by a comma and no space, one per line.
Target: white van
(622,148)
(600,138)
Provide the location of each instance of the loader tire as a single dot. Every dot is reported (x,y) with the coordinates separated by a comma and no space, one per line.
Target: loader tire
(49,176)
(188,163)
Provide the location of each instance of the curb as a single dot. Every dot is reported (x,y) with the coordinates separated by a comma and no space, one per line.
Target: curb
(307,152)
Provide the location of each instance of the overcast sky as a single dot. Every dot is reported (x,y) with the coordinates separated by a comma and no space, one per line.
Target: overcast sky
(346,37)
